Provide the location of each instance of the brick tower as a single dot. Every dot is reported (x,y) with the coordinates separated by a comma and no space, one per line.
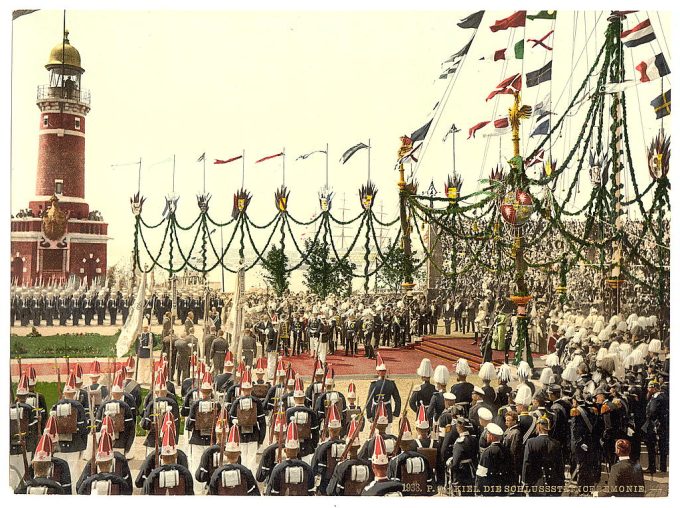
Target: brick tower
(58,236)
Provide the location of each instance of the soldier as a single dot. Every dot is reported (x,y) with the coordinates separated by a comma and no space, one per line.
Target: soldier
(217,353)
(150,462)
(183,355)
(316,386)
(202,414)
(95,391)
(447,312)
(36,309)
(410,467)
(125,303)
(463,389)
(307,422)
(313,331)
(291,476)
(122,425)
(23,430)
(381,485)
(503,389)
(112,306)
(272,453)
(560,409)
(527,422)
(50,308)
(351,475)
(583,441)
(171,478)
(329,452)
(512,440)
(330,396)
(100,307)
(494,471)
(352,329)
(383,389)
(208,339)
(381,423)
(232,478)
(156,409)
(352,410)
(462,465)
(132,388)
(298,330)
(72,423)
(436,404)
(656,427)
(422,394)
(276,391)
(625,477)
(248,347)
(543,467)
(224,381)
(210,458)
(76,308)
(487,373)
(478,404)
(41,481)
(119,466)
(64,309)
(189,323)
(105,481)
(246,412)
(484,418)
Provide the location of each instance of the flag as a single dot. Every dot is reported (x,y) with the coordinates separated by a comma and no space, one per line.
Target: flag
(234,324)
(653,69)
(662,105)
(226,161)
(472,21)
(541,41)
(455,60)
(269,157)
(133,325)
(475,128)
(639,34)
(410,155)
(503,54)
(351,151)
(304,156)
(542,108)
(419,134)
(543,15)
(515,21)
(508,85)
(201,158)
(23,12)
(501,126)
(618,87)
(540,76)
(542,129)
(536,159)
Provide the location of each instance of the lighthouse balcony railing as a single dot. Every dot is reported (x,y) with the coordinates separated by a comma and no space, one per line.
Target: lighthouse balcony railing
(46,92)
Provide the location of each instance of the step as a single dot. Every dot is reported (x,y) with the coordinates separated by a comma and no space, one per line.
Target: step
(449,356)
(455,350)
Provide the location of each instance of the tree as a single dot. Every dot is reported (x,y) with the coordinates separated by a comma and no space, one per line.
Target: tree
(324,276)
(275,270)
(393,269)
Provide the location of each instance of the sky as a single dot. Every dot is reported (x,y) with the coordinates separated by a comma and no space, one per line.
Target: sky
(180,83)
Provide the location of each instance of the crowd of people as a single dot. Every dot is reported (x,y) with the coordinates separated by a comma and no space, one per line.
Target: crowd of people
(252,427)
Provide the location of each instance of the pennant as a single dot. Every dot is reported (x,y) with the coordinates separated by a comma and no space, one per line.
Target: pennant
(509,85)
(543,15)
(501,126)
(536,159)
(639,34)
(653,69)
(503,54)
(351,151)
(304,156)
(220,161)
(515,21)
(269,157)
(475,128)
(662,105)
(455,60)
(447,72)
(618,87)
(461,53)
(542,108)
(541,41)
(542,129)
(472,21)
(419,134)
(540,76)
(201,158)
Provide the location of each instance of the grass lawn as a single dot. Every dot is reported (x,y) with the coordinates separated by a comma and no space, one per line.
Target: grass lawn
(89,345)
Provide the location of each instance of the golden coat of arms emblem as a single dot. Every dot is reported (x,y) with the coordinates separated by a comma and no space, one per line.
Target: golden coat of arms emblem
(55,221)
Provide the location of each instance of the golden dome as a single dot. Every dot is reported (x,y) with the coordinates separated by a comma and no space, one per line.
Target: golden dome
(71,55)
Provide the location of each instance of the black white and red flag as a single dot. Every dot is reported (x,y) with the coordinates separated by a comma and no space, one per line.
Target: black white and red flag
(639,34)
(653,69)
(226,161)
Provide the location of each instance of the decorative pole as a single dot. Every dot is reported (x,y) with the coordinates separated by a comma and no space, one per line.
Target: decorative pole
(407,285)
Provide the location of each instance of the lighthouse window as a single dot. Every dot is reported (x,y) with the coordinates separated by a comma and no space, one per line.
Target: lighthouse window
(78,123)
(45,121)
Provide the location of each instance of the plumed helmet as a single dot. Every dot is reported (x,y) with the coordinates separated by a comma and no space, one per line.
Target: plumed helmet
(441,375)
(463,368)
(487,372)
(425,369)
(504,373)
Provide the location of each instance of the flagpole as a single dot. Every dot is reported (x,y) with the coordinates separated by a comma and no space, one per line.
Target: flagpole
(369,159)
(243,179)
(173,174)
(203,172)
(327,151)
(139,177)
(284,166)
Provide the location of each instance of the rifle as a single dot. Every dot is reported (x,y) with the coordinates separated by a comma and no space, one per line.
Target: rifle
(93,461)
(401,418)
(358,428)
(222,437)
(68,366)
(155,414)
(56,367)
(280,437)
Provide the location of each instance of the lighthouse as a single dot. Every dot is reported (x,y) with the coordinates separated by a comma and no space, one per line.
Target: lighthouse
(58,237)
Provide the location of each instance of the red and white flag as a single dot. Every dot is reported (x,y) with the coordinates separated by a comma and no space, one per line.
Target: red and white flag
(517,20)
(653,69)
(509,85)
(639,34)
(269,157)
(537,159)
(500,126)
(475,128)
(226,161)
